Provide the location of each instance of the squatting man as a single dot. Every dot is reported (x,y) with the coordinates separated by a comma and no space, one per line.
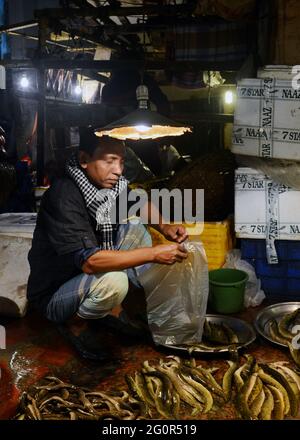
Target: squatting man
(82,263)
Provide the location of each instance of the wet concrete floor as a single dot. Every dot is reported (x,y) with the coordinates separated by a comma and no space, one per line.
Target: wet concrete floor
(35,349)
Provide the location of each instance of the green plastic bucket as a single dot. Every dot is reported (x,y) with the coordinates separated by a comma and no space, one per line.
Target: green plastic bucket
(227,290)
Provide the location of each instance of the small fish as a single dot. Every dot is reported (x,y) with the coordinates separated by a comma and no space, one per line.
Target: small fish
(274,332)
(268,405)
(257,404)
(278,399)
(228,378)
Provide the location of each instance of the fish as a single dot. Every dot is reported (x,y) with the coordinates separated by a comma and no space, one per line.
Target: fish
(204,378)
(292,393)
(243,372)
(257,404)
(267,406)
(274,332)
(228,379)
(210,380)
(208,399)
(138,393)
(184,391)
(279,407)
(256,390)
(243,396)
(288,372)
(285,322)
(270,380)
(218,333)
(163,394)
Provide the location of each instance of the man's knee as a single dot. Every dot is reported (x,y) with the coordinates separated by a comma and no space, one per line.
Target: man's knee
(106,292)
(117,283)
(111,289)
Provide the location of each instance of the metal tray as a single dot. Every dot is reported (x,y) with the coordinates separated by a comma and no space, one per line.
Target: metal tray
(243,330)
(275,311)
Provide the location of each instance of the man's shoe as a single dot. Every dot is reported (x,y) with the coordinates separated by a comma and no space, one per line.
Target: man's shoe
(85,344)
(120,327)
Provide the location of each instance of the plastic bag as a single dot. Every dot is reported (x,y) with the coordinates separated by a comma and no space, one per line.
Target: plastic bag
(254,295)
(177,298)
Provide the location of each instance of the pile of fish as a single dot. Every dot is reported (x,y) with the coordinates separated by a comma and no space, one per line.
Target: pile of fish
(174,388)
(282,331)
(58,400)
(258,391)
(266,391)
(216,337)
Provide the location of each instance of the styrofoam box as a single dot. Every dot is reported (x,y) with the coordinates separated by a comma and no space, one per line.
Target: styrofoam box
(276,71)
(18,223)
(251,197)
(14,272)
(267,119)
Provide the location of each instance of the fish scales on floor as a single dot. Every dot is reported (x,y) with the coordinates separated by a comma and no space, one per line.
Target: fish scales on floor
(173,388)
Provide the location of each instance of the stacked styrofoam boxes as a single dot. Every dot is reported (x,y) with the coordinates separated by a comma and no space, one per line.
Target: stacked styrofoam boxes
(267,214)
(267,119)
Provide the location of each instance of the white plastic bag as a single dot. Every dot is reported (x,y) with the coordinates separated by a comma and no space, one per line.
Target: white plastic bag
(177,298)
(254,295)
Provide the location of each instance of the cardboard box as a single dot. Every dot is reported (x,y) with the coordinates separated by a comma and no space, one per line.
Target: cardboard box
(259,201)
(267,119)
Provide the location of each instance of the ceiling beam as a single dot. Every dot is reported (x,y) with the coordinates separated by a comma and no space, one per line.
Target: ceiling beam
(108,66)
(19,26)
(54,43)
(94,75)
(107,11)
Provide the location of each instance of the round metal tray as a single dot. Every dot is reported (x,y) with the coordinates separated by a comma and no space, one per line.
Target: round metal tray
(275,311)
(243,330)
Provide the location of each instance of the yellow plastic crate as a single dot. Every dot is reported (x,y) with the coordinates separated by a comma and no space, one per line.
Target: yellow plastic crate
(217,239)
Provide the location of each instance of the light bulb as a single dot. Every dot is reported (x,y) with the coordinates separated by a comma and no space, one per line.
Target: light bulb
(24,82)
(142,128)
(228,97)
(78,90)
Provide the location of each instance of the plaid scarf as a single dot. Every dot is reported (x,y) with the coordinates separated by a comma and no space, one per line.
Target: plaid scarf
(99,202)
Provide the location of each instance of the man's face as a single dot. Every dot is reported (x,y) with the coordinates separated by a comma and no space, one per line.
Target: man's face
(105,166)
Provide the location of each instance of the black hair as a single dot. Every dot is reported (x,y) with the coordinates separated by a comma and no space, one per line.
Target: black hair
(89,141)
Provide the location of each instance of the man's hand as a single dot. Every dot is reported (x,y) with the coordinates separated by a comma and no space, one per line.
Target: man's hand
(169,253)
(174,232)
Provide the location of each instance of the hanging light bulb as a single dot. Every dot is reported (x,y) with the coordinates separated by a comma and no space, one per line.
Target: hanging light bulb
(78,90)
(142,123)
(142,128)
(228,97)
(24,82)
